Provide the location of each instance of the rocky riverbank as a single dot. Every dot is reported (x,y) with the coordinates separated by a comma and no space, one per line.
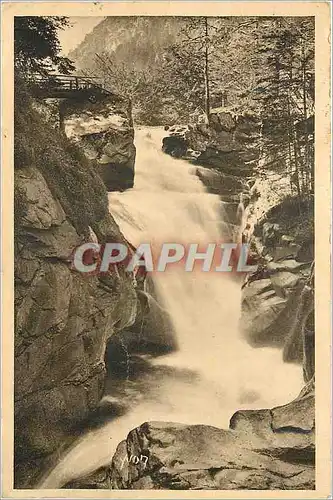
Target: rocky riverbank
(228,146)
(103,130)
(263,449)
(278,301)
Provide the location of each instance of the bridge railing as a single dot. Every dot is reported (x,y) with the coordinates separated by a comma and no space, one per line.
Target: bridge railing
(66,82)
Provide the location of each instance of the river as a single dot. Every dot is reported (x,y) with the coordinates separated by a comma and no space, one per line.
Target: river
(214,372)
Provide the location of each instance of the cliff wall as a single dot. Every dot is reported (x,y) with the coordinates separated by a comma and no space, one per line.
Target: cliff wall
(63,319)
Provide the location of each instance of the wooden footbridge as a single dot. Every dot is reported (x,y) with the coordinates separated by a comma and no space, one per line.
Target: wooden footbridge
(67,86)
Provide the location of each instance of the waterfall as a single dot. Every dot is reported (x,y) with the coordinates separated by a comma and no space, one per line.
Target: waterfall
(214,373)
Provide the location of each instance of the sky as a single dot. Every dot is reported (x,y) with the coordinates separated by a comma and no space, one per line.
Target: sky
(72,36)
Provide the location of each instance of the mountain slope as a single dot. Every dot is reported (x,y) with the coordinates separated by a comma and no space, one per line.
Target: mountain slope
(136,41)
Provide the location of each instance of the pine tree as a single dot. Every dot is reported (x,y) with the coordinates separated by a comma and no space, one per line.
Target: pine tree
(285,96)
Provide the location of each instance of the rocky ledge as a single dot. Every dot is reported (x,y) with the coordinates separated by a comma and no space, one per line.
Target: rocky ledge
(263,449)
(278,299)
(228,147)
(103,130)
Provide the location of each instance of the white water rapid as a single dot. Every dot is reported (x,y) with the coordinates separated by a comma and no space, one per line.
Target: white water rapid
(169,203)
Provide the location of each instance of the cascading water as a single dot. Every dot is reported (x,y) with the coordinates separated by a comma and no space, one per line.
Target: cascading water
(214,372)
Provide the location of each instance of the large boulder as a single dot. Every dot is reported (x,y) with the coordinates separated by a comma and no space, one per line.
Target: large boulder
(104,131)
(228,187)
(229,143)
(277,300)
(175,143)
(151,333)
(272,312)
(263,450)
(270,302)
(153,329)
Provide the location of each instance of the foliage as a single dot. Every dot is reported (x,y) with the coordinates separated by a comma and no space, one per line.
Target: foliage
(192,69)
(264,65)
(141,86)
(36,44)
(285,96)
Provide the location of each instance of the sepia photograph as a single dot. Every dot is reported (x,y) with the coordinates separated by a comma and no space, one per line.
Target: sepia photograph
(170,249)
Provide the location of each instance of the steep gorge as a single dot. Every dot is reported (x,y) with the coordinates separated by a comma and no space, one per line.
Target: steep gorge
(210,376)
(64,320)
(263,449)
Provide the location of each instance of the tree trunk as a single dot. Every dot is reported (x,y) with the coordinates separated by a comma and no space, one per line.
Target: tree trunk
(301,164)
(206,73)
(292,139)
(305,118)
(297,169)
(290,131)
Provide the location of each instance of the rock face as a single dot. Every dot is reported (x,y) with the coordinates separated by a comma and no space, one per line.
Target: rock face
(225,152)
(269,304)
(153,330)
(151,333)
(263,449)
(63,318)
(277,300)
(228,146)
(104,132)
